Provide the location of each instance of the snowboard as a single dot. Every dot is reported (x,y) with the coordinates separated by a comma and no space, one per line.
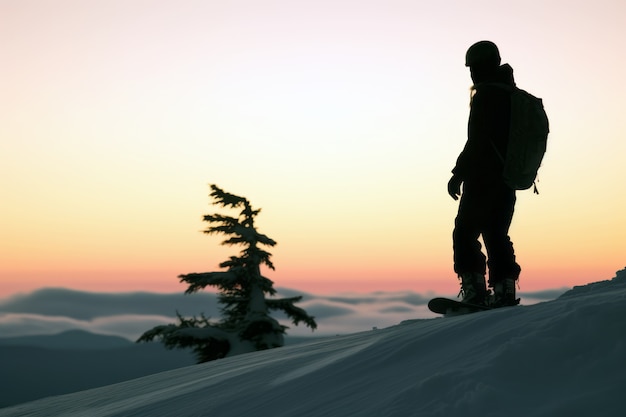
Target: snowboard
(449,307)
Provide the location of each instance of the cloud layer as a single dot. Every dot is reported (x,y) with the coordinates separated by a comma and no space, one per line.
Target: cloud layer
(53,310)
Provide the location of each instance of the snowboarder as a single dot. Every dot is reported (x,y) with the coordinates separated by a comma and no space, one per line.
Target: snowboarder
(487,203)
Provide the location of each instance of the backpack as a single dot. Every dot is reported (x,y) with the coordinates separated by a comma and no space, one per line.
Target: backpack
(528,137)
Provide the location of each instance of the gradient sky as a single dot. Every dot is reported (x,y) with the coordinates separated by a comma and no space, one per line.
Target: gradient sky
(340,119)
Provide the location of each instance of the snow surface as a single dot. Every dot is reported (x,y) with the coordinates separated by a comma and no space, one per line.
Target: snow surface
(565,357)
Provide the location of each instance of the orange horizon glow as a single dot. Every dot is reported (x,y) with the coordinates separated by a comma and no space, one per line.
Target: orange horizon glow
(318,282)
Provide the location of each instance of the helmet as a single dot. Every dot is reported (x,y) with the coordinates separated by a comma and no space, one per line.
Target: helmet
(484,53)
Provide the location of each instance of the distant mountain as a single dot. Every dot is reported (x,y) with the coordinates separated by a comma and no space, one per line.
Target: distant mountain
(71,339)
(34,367)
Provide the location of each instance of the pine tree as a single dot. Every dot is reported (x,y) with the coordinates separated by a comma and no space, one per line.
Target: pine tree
(246,325)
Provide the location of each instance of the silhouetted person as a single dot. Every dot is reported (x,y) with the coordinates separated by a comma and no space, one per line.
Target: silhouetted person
(487,203)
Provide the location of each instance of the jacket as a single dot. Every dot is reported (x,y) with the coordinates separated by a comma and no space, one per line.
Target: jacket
(488,127)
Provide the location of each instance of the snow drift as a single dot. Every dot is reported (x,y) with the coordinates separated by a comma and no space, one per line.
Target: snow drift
(560,358)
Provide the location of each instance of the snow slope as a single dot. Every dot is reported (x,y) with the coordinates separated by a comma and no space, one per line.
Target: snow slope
(560,358)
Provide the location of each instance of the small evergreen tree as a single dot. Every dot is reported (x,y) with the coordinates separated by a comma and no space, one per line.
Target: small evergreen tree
(246,325)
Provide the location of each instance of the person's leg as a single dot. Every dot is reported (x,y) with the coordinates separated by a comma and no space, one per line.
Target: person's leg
(468,257)
(503,268)
(469,260)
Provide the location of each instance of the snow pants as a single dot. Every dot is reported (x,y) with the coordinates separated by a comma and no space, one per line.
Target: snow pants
(485,209)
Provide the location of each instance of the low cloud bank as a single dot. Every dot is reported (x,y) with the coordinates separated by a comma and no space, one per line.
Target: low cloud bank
(54,310)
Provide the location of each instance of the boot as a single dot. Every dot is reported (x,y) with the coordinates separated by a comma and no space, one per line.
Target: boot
(473,288)
(504,293)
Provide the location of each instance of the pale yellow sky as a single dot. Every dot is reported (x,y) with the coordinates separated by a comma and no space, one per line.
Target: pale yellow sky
(340,119)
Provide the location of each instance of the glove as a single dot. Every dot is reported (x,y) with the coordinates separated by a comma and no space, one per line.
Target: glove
(454,187)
